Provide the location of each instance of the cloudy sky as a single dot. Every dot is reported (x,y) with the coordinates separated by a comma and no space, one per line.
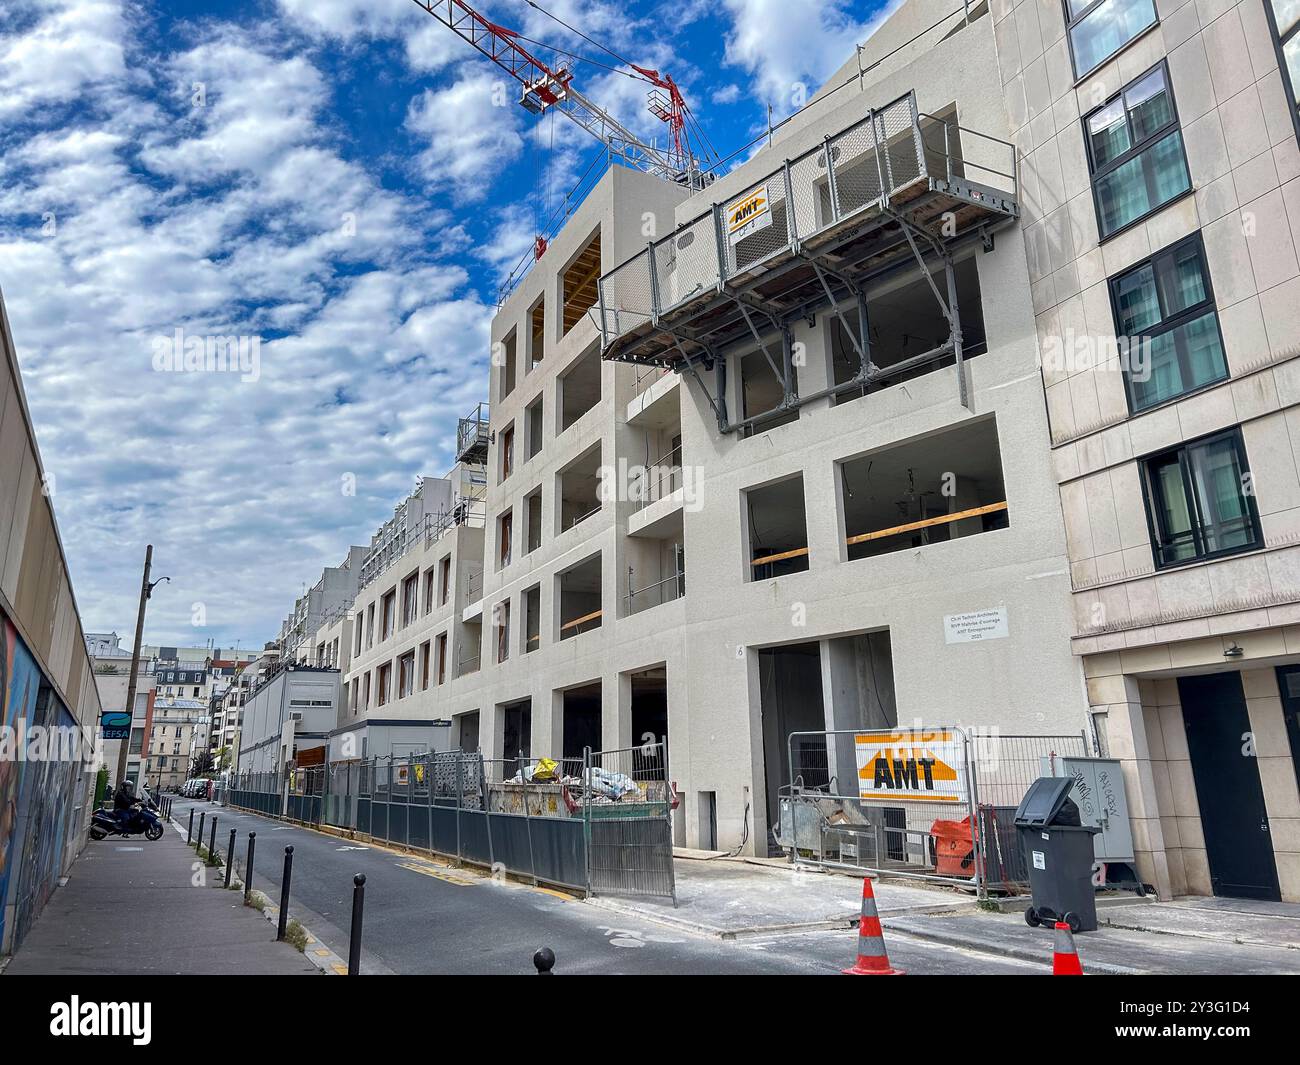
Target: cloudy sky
(344,180)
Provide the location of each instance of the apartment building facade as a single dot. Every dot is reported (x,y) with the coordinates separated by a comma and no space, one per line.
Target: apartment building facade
(1161,174)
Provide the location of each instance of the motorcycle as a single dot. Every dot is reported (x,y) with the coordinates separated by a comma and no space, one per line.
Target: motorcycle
(104,823)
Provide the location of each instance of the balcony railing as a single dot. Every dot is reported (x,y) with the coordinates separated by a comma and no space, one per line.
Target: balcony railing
(472,436)
(872,164)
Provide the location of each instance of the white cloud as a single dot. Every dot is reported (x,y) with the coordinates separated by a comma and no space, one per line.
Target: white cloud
(246,216)
(790,49)
(470,127)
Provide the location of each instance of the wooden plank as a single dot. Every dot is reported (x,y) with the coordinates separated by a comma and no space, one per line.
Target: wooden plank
(880,534)
(579,621)
(780,557)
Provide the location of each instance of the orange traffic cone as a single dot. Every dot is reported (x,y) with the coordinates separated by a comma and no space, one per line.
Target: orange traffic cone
(872,959)
(1065,959)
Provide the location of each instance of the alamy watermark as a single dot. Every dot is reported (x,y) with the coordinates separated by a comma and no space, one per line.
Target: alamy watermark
(182,352)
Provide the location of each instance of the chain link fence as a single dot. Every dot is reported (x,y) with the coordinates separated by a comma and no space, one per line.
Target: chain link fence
(934,804)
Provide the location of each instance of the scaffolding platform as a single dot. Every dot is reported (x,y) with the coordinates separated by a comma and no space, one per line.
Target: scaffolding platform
(899,193)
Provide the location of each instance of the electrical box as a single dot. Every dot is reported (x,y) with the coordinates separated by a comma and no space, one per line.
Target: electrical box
(1098,791)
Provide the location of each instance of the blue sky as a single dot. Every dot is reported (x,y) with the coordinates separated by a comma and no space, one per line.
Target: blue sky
(337,178)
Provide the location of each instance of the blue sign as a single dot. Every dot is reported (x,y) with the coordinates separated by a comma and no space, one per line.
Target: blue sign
(115,724)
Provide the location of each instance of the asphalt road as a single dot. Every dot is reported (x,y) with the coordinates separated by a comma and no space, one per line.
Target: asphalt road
(426,916)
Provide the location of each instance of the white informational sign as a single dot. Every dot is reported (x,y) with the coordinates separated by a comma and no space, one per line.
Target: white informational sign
(1040,860)
(911,765)
(978,625)
(748,214)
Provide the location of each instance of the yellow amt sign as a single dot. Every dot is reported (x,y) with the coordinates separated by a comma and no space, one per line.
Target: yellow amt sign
(911,766)
(748,214)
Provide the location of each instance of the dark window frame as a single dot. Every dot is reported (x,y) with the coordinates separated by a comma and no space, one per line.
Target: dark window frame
(1071,21)
(1169,323)
(1150,497)
(1279,46)
(1135,149)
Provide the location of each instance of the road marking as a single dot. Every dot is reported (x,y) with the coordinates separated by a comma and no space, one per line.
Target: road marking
(341,970)
(438,874)
(351,848)
(128,848)
(322,953)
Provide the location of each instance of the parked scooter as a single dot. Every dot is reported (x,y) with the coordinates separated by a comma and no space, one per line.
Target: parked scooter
(139,820)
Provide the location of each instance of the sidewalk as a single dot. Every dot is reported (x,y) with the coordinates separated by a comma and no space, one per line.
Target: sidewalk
(733,897)
(1190,936)
(131,907)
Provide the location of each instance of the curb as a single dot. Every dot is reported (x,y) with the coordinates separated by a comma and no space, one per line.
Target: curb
(953,939)
(321,956)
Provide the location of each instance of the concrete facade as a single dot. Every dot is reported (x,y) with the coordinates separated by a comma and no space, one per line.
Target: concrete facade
(1140,624)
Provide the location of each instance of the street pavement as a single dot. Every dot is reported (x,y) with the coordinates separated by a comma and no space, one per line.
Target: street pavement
(426,916)
(132,907)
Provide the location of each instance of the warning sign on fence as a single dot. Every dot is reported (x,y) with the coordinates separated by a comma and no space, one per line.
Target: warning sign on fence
(911,765)
(748,214)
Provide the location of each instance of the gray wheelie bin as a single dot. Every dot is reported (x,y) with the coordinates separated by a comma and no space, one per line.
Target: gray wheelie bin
(1059,854)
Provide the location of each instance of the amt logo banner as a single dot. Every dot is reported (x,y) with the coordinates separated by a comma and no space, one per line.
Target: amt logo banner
(912,765)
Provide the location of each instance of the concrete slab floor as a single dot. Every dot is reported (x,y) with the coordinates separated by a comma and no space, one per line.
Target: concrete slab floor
(1273,924)
(731,898)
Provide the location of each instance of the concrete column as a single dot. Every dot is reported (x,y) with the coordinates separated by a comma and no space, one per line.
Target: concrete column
(1127,737)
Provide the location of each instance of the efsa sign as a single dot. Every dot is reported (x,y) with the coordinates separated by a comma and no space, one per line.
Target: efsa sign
(911,765)
(115,724)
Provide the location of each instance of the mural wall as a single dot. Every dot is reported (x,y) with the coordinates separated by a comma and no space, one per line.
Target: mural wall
(38,797)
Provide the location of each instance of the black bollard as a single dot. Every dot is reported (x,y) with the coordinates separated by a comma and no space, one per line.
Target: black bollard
(212,841)
(248,866)
(230,856)
(544,959)
(203,815)
(284,892)
(354,937)
(189,836)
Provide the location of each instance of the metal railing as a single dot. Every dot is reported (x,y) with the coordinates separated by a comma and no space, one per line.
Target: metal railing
(472,432)
(660,592)
(854,170)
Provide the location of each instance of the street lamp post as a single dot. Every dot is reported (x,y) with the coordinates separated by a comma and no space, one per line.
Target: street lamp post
(146,590)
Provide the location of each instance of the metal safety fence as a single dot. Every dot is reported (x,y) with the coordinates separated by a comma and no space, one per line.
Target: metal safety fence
(932,803)
(599,824)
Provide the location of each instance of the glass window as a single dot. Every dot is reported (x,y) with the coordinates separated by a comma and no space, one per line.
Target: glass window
(1199,501)
(1168,330)
(1100,29)
(1284,18)
(1135,153)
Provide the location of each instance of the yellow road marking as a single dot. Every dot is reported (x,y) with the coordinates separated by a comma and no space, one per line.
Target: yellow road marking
(438,874)
(341,970)
(322,953)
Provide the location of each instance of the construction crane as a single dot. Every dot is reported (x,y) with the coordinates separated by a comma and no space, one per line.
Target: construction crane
(545,89)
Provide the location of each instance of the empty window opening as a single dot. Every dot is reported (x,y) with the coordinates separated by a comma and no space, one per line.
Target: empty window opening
(581,724)
(426,673)
(406,674)
(533,428)
(908,334)
(532,601)
(649,693)
(507,451)
(389,614)
(579,388)
(441,660)
(941,487)
(506,353)
(761,390)
(444,580)
(778,529)
(505,539)
(533,521)
(410,598)
(579,598)
(537,333)
(501,623)
(580,283)
(578,489)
